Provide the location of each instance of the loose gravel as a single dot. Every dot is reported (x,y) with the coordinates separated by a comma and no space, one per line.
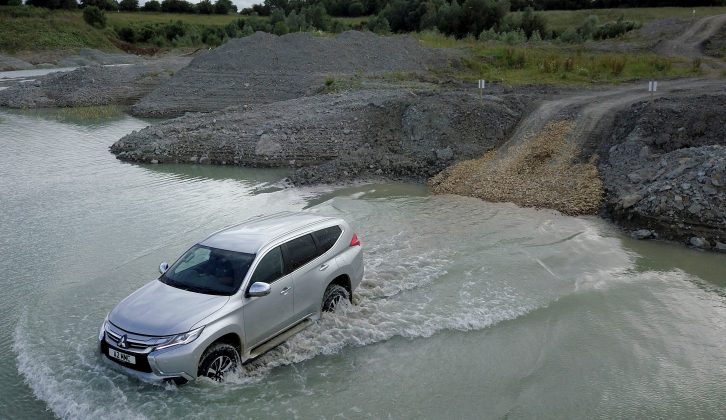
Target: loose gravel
(264,68)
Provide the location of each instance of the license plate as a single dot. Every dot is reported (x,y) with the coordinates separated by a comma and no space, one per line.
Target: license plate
(126,358)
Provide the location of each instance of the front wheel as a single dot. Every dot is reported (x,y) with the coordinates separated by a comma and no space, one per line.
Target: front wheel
(333,295)
(217,361)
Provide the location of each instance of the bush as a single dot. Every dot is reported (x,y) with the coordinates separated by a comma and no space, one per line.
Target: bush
(570,36)
(615,29)
(152,6)
(296,22)
(94,16)
(126,33)
(175,30)
(379,25)
(355,8)
(513,37)
(532,23)
(280,28)
(489,35)
(177,6)
(205,7)
(247,30)
(129,5)
(101,4)
(223,7)
(514,59)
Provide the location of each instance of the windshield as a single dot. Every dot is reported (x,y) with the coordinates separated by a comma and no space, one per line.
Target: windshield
(209,270)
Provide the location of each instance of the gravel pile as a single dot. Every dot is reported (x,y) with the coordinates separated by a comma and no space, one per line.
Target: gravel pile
(264,68)
(664,169)
(327,138)
(93,85)
(540,172)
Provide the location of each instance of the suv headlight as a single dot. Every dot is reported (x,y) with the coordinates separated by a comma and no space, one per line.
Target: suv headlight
(180,339)
(102,332)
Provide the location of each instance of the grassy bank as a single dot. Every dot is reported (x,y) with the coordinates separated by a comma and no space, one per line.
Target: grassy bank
(31,29)
(553,63)
(559,20)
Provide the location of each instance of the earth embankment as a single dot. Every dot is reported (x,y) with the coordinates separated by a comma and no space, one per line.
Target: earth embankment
(264,68)
(92,85)
(394,133)
(663,165)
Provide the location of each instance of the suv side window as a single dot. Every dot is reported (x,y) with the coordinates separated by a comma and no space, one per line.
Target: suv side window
(326,238)
(270,267)
(299,252)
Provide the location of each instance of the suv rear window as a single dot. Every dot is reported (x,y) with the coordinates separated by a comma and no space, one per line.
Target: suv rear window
(299,252)
(326,238)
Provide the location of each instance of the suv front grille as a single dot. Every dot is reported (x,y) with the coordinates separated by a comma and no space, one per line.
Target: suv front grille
(142,360)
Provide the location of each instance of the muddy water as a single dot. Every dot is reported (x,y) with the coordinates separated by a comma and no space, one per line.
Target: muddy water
(467,309)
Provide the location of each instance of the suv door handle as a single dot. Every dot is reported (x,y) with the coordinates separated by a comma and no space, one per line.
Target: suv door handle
(324,267)
(285,290)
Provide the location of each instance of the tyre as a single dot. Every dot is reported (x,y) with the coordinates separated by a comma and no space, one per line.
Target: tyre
(333,295)
(218,360)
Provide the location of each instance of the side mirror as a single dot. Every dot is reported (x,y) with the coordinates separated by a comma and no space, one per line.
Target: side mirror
(258,289)
(163,267)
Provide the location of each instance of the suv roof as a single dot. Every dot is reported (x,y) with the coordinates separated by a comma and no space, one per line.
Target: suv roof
(254,233)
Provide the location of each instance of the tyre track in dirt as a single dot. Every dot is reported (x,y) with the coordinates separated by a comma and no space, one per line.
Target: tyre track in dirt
(542,165)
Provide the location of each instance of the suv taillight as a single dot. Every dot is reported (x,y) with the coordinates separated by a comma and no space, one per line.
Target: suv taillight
(355,241)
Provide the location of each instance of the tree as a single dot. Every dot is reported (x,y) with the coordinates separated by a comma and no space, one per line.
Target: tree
(223,7)
(48,4)
(379,25)
(533,22)
(177,6)
(129,5)
(280,28)
(152,6)
(317,16)
(356,8)
(205,7)
(94,16)
(101,4)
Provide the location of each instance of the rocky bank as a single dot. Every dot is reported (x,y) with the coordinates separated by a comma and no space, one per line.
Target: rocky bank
(92,85)
(663,166)
(265,68)
(395,133)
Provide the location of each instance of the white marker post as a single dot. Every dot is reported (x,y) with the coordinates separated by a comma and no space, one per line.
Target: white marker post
(482,85)
(652,88)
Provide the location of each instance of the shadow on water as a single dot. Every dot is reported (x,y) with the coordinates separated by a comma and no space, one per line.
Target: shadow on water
(215,172)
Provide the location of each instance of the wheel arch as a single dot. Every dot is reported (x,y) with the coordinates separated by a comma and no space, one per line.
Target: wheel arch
(343,280)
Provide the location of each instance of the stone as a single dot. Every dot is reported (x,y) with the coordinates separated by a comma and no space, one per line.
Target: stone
(642,234)
(695,209)
(444,154)
(630,200)
(204,160)
(720,246)
(193,159)
(154,161)
(699,242)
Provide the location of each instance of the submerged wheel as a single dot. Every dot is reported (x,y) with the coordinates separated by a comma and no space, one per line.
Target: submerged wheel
(218,360)
(333,295)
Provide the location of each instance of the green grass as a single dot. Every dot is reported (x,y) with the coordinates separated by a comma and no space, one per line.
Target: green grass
(125,18)
(547,63)
(42,30)
(559,20)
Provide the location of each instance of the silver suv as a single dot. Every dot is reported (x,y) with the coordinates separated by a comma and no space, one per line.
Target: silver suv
(233,296)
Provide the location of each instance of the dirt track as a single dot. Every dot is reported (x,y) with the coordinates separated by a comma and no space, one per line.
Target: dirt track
(689,43)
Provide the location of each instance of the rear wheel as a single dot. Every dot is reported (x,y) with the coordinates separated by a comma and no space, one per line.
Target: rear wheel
(333,295)
(218,360)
